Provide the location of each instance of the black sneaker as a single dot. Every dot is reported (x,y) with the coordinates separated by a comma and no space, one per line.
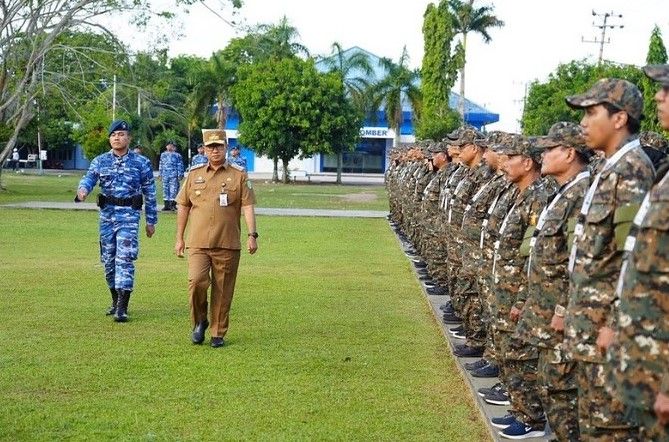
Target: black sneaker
(446,307)
(476,365)
(436,291)
(461,335)
(497,398)
(454,330)
(487,390)
(469,352)
(451,318)
(489,371)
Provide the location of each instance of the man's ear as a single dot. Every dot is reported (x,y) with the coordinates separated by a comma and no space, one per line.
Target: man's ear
(620,119)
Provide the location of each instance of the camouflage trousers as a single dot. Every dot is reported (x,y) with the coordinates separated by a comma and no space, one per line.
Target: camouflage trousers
(486,296)
(650,428)
(519,376)
(454,265)
(558,392)
(119,248)
(467,288)
(601,415)
(170,187)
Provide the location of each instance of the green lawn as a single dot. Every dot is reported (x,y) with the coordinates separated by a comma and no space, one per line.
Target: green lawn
(330,339)
(27,187)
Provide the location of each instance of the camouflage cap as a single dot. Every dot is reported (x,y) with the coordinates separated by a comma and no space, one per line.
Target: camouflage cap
(214,136)
(500,141)
(563,133)
(654,140)
(521,145)
(619,93)
(469,135)
(438,147)
(658,72)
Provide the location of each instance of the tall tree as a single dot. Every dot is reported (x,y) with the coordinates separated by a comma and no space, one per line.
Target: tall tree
(438,72)
(30,30)
(355,71)
(546,101)
(278,40)
(399,85)
(657,54)
(466,19)
(289,109)
(213,85)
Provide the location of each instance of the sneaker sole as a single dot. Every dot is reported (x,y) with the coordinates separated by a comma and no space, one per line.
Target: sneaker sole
(529,435)
(496,402)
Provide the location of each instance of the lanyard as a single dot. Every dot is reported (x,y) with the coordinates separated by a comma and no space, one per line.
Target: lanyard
(444,202)
(587,201)
(501,231)
(630,241)
(491,209)
(450,209)
(544,213)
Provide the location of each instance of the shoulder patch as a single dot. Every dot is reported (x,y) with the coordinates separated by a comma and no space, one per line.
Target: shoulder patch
(197,166)
(237,166)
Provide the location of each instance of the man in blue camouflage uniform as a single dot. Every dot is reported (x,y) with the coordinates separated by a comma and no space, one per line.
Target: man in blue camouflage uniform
(124,177)
(236,158)
(171,168)
(200,158)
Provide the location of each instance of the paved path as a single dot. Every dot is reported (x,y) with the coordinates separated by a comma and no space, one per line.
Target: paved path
(487,411)
(259,210)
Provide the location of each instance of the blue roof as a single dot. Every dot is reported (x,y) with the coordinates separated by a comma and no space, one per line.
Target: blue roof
(474,114)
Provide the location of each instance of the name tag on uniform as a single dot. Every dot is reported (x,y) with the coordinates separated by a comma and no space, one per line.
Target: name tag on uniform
(223,199)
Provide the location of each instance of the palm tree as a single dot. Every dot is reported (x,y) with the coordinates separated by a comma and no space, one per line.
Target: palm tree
(468,19)
(355,71)
(213,86)
(398,85)
(277,41)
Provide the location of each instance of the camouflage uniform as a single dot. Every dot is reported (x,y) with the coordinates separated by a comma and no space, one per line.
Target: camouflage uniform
(518,359)
(548,286)
(502,200)
(595,260)
(641,353)
(171,168)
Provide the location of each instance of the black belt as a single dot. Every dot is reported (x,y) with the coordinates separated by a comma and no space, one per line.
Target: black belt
(135,201)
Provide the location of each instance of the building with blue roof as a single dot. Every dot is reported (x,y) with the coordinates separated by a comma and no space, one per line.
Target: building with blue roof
(371,155)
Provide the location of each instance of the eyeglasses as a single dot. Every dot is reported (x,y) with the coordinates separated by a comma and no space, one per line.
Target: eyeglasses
(216,147)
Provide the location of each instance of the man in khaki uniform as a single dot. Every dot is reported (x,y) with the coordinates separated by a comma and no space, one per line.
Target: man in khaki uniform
(213,198)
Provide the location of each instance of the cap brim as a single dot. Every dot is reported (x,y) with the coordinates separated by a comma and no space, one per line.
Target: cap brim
(582,101)
(547,143)
(657,72)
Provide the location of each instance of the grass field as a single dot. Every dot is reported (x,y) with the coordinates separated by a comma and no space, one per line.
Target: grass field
(309,196)
(330,339)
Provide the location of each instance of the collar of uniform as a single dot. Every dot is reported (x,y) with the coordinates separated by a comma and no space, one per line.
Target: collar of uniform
(529,190)
(223,166)
(122,157)
(564,186)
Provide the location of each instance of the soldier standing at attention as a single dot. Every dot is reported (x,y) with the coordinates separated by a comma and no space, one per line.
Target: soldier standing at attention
(613,111)
(199,158)
(171,168)
(641,351)
(212,199)
(236,158)
(124,177)
(566,159)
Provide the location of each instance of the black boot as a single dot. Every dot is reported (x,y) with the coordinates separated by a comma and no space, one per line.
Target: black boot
(112,309)
(121,314)
(198,332)
(173,206)
(167,207)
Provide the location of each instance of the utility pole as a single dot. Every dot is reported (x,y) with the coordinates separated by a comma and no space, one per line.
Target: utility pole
(603,26)
(114,99)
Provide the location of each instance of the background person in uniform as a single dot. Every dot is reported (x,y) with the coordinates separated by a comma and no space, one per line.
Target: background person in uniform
(124,177)
(137,149)
(199,158)
(236,158)
(212,199)
(171,168)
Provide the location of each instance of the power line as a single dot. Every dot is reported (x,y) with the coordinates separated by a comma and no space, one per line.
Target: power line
(604,25)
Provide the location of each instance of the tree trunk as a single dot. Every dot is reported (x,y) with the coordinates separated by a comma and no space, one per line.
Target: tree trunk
(340,165)
(462,76)
(221,114)
(286,174)
(275,173)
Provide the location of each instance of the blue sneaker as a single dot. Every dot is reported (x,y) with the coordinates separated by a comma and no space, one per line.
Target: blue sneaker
(476,365)
(487,390)
(519,430)
(497,398)
(503,422)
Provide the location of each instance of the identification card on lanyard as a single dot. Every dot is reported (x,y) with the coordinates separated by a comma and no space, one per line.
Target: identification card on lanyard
(223,197)
(589,196)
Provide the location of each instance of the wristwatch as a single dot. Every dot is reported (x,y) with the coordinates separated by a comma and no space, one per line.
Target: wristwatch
(254,234)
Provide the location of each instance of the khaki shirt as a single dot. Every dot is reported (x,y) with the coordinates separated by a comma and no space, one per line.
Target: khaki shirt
(213,225)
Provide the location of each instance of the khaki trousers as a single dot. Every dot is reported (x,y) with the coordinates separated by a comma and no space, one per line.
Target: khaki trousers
(216,268)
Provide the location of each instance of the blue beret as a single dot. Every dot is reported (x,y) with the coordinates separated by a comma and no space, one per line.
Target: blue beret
(118,125)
